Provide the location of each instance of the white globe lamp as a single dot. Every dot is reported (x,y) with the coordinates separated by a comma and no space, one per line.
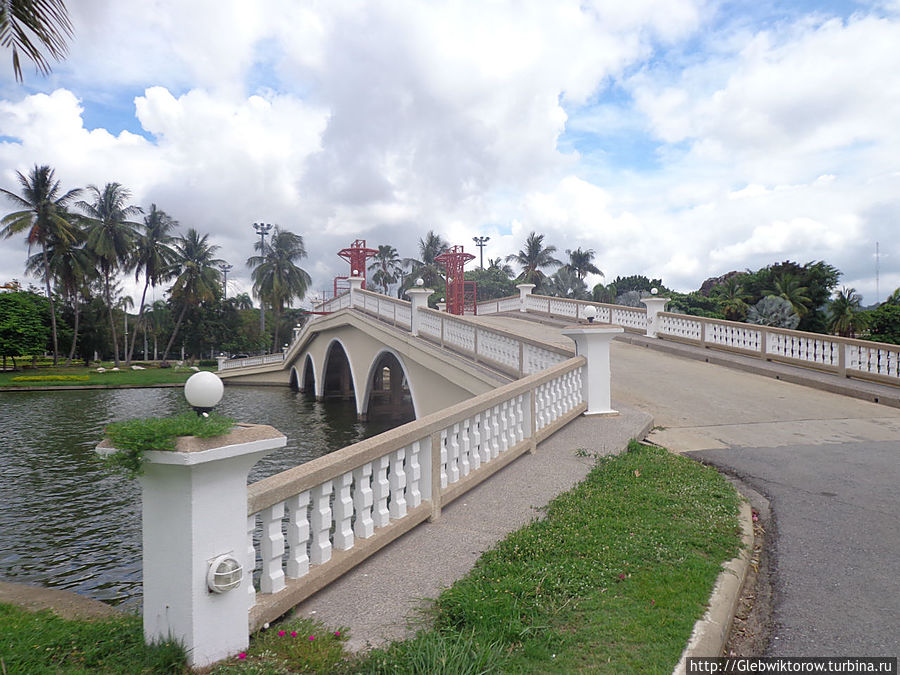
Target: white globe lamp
(203,391)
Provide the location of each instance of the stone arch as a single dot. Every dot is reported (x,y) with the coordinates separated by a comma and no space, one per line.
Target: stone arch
(388,359)
(337,373)
(294,382)
(308,380)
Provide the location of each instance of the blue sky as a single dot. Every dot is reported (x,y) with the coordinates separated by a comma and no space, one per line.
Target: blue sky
(679,139)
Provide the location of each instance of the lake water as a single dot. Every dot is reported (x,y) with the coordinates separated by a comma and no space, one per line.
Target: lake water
(65,522)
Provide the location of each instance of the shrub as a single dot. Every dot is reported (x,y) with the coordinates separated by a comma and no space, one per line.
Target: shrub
(51,378)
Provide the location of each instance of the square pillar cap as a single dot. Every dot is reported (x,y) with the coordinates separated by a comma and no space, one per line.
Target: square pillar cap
(592,329)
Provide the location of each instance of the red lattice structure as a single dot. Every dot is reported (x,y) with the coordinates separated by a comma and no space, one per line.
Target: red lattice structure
(356,254)
(454,260)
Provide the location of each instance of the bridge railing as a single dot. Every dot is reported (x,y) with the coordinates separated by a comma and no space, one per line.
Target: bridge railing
(318,520)
(876,361)
(263,360)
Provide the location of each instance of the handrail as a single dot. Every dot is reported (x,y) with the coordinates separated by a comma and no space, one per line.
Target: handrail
(341,508)
(847,357)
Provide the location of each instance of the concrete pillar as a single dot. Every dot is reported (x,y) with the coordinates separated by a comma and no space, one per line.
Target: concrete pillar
(418,298)
(221,359)
(654,306)
(524,292)
(592,342)
(194,511)
(442,306)
(355,286)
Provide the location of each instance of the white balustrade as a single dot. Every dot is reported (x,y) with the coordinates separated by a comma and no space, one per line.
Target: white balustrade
(357,502)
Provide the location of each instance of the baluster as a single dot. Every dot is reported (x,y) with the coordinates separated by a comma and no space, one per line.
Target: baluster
(398,484)
(298,535)
(512,427)
(471,443)
(413,476)
(382,490)
(479,439)
(251,560)
(320,523)
(343,514)
(520,418)
(271,545)
(503,414)
(364,527)
(495,432)
(453,455)
(443,459)
(465,448)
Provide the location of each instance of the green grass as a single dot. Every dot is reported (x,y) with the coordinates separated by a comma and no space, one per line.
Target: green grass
(132,438)
(38,643)
(123,377)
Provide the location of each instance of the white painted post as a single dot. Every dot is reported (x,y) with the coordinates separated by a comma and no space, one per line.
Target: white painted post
(355,286)
(592,342)
(524,292)
(418,298)
(442,306)
(194,510)
(221,359)
(655,305)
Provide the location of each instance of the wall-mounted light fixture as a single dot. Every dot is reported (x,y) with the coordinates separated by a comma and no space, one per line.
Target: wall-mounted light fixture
(224,574)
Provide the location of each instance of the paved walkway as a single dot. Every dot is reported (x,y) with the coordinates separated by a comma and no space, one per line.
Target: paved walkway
(828,463)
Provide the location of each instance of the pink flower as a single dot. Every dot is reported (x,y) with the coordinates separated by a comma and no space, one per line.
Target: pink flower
(337,633)
(652,603)
(621,576)
(312,637)
(242,655)
(293,633)
(282,633)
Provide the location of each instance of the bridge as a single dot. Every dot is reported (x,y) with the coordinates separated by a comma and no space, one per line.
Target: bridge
(487,392)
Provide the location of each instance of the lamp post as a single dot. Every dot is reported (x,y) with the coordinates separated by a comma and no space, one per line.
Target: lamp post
(203,391)
(226,268)
(262,229)
(480,242)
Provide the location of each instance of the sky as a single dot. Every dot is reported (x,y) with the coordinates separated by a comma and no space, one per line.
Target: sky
(679,139)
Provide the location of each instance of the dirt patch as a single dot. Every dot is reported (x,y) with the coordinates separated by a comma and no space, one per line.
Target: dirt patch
(64,604)
(751,629)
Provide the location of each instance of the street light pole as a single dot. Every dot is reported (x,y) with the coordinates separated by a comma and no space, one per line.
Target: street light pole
(480,242)
(226,268)
(262,229)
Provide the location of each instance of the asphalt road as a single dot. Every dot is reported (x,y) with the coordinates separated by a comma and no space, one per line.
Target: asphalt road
(837,543)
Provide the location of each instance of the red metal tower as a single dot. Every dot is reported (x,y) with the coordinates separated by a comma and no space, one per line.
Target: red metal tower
(460,293)
(356,254)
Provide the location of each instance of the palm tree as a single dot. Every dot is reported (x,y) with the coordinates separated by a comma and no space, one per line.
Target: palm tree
(73,268)
(45,218)
(732,297)
(500,266)
(153,257)
(46,20)
(241,301)
(565,283)
(426,267)
(844,313)
(581,262)
(387,266)
(198,276)
(110,236)
(276,277)
(533,258)
(787,286)
(893,298)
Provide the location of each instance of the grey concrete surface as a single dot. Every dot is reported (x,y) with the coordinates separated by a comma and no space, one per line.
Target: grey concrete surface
(837,572)
(377,600)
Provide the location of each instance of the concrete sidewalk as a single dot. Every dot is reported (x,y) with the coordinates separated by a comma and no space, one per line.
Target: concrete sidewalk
(377,600)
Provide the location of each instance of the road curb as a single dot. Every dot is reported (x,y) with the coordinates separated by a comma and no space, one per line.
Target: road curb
(711,631)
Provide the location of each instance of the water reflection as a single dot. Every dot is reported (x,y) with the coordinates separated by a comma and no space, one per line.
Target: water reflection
(67,523)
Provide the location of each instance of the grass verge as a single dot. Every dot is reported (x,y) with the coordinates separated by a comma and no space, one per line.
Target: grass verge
(612,579)
(89,377)
(38,643)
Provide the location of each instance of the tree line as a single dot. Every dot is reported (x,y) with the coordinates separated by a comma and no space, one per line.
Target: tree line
(81,248)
